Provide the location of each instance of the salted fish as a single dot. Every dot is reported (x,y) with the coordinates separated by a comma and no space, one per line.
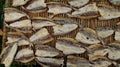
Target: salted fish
(12,14)
(42,36)
(115,2)
(46,51)
(87,36)
(25,55)
(19,2)
(68,46)
(8,54)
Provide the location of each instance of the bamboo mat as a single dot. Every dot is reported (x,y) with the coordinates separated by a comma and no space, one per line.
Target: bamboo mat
(91,23)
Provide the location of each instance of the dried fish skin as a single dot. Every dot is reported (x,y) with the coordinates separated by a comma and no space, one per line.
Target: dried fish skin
(36,6)
(108,13)
(39,22)
(16,37)
(12,14)
(115,2)
(73,61)
(8,54)
(17,3)
(25,55)
(104,32)
(58,8)
(41,36)
(64,26)
(87,36)
(78,3)
(52,62)
(88,11)
(46,51)
(69,47)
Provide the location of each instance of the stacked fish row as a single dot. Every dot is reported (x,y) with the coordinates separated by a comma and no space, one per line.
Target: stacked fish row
(35,36)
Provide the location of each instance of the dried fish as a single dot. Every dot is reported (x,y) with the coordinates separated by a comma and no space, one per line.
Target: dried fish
(16,37)
(115,2)
(46,51)
(73,61)
(68,46)
(78,3)
(58,8)
(42,36)
(97,50)
(39,22)
(23,25)
(8,54)
(36,6)
(87,36)
(108,13)
(104,32)
(19,2)
(12,14)
(64,26)
(114,54)
(52,62)
(117,35)
(88,11)
(100,61)
(25,55)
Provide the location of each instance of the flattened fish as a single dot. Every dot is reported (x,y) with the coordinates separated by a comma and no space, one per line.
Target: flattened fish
(73,61)
(87,36)
(16,37)
(114,54)
(36,6)
(100,61)
(86,12)
(108,13)
(97,49)
(64,26)
(12,14)
(39,22)
(115,2)
(78,3)
(23,25)
(52,62)
(8,54)
(46,51)
(68,46)
(19,2)
(58,8)
(117,35)
(104,32)
(42,36)
(25,55)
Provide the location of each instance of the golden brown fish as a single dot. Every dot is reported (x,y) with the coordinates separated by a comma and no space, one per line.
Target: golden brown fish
(8,53)
(25,55)
(42,36)
(69,46)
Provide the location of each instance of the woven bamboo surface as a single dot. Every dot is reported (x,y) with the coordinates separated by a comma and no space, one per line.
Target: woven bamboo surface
(91,23)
